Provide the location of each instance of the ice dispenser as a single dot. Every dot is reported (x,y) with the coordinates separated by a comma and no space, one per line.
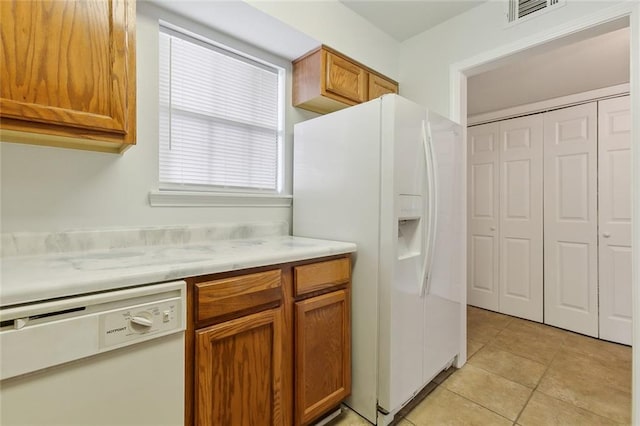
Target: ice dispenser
(410,211)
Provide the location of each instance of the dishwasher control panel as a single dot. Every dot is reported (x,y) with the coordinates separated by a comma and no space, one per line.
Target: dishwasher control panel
(135,323)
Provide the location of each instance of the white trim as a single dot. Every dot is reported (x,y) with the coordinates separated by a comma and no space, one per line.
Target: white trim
(601,17)
(216,199)
(550,104)
(634,63)
(458,109)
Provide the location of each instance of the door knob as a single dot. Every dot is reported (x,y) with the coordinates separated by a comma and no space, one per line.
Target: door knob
(606,234)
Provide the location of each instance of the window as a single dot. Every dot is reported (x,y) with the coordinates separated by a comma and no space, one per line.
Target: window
(221,120)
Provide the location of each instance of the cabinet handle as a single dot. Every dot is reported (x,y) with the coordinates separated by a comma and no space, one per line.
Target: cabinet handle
(492,228)
(606,234)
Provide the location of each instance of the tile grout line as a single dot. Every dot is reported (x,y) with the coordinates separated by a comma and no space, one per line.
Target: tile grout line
(534,388)
(485,344)
(476,403)
(408,421)
(567,402)
(561,346)
(508,379)
(540,379)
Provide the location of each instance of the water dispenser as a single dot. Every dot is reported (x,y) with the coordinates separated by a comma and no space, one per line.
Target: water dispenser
(410,226)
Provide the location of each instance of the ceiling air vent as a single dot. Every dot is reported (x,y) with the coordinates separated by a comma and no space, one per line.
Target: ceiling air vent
(519,10)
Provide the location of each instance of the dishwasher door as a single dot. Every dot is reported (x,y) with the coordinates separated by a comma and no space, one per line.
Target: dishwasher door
(113,358)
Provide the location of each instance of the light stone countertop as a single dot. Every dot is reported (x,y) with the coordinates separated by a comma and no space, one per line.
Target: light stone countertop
(30,278)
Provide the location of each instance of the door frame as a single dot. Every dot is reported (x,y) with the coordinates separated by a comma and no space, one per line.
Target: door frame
(459,71)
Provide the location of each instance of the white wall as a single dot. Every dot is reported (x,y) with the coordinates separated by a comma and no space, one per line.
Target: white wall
(339,27)
(425,59)
(53,189)
(589,64)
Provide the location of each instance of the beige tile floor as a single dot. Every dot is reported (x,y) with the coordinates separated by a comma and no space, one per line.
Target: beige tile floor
(524,373)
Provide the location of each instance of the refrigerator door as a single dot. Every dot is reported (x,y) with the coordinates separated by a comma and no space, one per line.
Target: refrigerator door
(447,275)
(336,195)
(402,250)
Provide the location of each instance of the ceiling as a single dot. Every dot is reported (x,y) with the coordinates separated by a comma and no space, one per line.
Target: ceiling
(403,19)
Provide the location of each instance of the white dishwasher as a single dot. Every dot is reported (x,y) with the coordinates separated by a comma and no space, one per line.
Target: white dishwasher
(113,358)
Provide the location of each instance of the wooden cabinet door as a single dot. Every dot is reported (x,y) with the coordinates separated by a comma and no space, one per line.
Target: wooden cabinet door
(345,79)
(379,86)
(238,372)
(323,354)
(68,66)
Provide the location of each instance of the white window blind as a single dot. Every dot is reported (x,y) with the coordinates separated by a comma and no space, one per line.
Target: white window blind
(220,119)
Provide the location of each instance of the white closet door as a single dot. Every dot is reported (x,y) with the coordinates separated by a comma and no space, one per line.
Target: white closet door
(570,219)
(483,202)
(614,204)
(521,276)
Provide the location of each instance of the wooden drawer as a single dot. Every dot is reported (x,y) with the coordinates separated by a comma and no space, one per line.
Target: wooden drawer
(222,299)
(321,276)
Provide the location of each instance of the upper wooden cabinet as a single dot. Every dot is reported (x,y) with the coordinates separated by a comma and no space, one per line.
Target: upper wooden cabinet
(68,72)
(325,80)
(379,86)
(345,79)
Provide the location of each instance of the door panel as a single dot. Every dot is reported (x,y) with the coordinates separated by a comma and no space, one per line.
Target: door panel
(570,218)
(516,258)
(482,176)
(482,290)
(520,225)
(482,262)
(345,78)
(65,63)
(573,294)
(614,185)
(572,187)
(323,354)
(239,368)
(518,189)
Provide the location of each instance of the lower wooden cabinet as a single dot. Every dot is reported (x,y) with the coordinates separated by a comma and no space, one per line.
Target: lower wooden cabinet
(268,346)
(323,354)
(238,371)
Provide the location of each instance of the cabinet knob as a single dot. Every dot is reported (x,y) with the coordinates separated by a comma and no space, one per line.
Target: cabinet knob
(492,228)
(606,234)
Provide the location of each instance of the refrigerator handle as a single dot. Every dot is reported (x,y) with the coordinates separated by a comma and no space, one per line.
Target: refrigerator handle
(431,209)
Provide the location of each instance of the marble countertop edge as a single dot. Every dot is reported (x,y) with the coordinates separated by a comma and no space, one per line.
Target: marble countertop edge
(27,279)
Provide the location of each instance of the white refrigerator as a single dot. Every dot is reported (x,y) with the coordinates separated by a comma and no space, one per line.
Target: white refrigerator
(389,175)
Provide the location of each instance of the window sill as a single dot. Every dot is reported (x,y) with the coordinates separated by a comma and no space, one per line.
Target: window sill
(216,199)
